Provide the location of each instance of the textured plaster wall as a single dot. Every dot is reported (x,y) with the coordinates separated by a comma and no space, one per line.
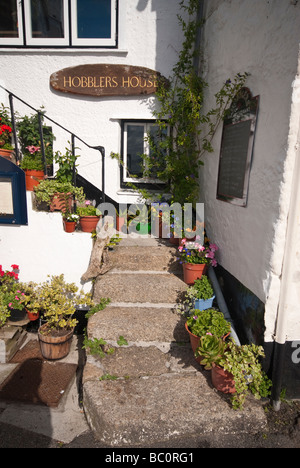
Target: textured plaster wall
(262,38)
(149,37)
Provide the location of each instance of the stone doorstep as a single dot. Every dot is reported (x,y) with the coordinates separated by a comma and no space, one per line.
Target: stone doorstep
(152,409)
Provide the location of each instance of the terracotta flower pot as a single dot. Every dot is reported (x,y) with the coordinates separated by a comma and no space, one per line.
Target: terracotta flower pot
(69,226)
(222,380)
(31,316)
(193,271)
(7,154)
(33,178)
(89,223)
(120,221)
(61,202)
(194,340)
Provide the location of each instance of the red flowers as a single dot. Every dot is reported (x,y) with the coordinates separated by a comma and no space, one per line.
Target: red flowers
(11,274)
(5,131)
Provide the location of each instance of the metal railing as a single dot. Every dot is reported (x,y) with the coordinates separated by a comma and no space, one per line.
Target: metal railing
(41,116)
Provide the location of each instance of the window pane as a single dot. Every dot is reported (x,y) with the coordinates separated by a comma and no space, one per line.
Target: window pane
(135,148)
(93,19)
(47,18)
(8,18)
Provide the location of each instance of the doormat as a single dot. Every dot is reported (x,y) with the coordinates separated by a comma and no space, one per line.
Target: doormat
(36,381)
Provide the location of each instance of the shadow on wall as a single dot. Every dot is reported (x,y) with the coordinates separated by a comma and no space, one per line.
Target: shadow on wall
(246,309)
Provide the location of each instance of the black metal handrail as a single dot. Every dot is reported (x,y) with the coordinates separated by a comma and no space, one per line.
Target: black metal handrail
(41,115)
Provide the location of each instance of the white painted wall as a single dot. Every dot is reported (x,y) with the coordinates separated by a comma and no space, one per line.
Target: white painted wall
(262,38)
(43,248)
(150,37)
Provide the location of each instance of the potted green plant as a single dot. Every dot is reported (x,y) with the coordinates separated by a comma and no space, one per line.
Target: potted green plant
(206,321)
(56,300)
(195,258)
(30,142)
(6,148)
(70,221)
(89,216)
(47,191)
(13,296)
(237,370)
(201,294)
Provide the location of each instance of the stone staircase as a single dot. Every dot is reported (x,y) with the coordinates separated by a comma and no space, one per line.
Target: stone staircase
(152,392)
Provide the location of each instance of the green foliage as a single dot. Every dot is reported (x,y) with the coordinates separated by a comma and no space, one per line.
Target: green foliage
(176,158)
(122,341)
(97,347)
(57,300)
(108,377)
(49,187)
(97,307)
(244,363)
(29,136)
(67,166)
(202,288)
(210,349)
(88,210)
(208,321)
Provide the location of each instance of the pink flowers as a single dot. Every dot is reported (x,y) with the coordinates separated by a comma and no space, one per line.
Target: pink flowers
(194,252)
(33,149)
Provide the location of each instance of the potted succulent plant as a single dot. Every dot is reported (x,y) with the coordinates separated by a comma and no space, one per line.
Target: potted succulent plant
(206,321)
(235,369)
(195,258)
(57,302)
(6,148)
(89,216)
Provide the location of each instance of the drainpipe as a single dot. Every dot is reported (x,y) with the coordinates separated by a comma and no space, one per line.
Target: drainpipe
(287,267)
(222,304)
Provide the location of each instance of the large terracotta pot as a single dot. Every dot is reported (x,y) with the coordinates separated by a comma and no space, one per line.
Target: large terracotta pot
(54,347)
(89,223)
(33,178)
(61,202)
(222,380)
(194,340)
(193,271)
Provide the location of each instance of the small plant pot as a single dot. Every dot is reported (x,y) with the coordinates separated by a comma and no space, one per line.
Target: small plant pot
(222,380)
(33,178)
(31,316)
(203,304)
(195,341)
(69,226)
(120,221)
(54,346)
(193,271)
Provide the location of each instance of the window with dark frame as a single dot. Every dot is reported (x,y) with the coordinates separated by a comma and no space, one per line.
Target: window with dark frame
(51,23)
(135,144)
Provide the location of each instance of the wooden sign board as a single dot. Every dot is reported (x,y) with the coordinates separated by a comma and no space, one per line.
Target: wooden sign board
(236,149)
(106,80)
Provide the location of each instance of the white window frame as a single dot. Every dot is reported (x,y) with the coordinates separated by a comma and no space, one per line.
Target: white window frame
(70,17)
(146,125)
(46,41)
(76,41)
(15,40)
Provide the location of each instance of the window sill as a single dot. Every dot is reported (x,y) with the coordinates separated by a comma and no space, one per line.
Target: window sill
(63,50)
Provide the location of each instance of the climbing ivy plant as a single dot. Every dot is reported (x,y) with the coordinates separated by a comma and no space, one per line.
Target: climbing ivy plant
(175,158)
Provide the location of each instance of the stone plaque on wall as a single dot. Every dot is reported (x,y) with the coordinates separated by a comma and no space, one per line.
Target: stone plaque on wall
(106,80)
(236,148)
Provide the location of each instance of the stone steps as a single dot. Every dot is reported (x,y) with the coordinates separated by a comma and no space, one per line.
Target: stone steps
(151,392)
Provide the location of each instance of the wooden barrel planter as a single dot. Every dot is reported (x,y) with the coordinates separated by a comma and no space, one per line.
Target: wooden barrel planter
(54,346)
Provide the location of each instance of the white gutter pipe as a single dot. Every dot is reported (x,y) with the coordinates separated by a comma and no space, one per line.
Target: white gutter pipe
(222,304)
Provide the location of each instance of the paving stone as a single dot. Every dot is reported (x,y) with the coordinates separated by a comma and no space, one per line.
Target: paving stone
(148,410)
(138,325)
(139,288)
